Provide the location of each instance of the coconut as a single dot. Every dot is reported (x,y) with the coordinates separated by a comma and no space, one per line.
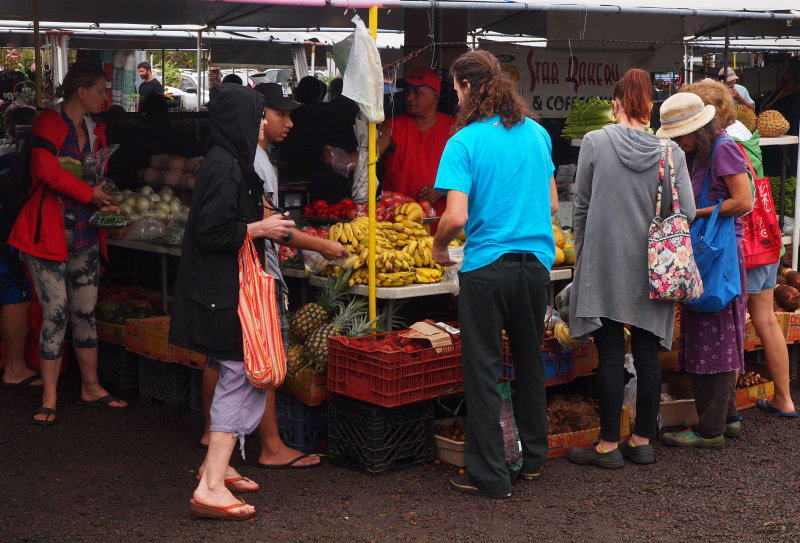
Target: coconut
(771,124)
(193,164)
(160,162)
(177,162)
(190,182)
(151,176)
(172,177)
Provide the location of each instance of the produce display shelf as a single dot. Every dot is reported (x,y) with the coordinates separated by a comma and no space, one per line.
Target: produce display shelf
(558,365)
(165,385)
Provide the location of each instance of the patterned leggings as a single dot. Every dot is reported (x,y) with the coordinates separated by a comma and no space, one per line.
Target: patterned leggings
(67,291)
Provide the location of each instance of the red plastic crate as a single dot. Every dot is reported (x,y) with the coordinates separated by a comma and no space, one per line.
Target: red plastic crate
(558,365)
(390,379)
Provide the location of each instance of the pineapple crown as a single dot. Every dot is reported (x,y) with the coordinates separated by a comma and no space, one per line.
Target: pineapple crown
(334,291)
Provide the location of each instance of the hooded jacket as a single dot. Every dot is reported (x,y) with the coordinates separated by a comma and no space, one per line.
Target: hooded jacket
(617,182)
(48,182)
(226,197)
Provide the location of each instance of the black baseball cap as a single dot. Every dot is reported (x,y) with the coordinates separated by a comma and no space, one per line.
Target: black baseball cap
(274,98)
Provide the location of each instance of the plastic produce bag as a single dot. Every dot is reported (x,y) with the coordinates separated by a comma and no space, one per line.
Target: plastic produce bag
(562,303)
(109,219)
(94,165)
(314,262)
(145,229)
(511,442)
(341,161)
(363,77)
(360,188)
(629,394)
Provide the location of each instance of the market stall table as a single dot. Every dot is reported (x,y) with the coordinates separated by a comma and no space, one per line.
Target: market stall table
(414,290)
(162,250)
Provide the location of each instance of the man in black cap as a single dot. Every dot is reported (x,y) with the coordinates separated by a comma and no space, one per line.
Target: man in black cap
(274,453)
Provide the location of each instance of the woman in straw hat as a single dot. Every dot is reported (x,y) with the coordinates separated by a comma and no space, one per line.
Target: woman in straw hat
(761,279)
(711,345)
(617,180)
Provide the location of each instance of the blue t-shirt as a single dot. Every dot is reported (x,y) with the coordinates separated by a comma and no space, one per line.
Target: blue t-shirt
(506,174)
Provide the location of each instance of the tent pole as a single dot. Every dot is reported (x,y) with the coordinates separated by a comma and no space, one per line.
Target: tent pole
(199,68)
(727,44)
(372,190)
(37,56)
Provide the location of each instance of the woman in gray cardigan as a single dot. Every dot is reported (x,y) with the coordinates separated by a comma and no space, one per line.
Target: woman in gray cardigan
(617,181)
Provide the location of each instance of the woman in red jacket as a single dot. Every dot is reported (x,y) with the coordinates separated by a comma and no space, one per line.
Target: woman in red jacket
(56,241)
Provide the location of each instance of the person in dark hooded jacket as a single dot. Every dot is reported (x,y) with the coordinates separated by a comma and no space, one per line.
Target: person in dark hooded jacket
(226,205)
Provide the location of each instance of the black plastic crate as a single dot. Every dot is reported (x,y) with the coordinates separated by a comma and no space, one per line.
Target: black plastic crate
(196,394)
(300,426)
(118,369)
(376,439)
(164,385)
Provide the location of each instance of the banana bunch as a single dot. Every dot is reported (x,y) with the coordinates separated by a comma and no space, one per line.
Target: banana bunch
(350,233)
(411,211)
(395,279)
(428,275)
(401,247)
(562,334)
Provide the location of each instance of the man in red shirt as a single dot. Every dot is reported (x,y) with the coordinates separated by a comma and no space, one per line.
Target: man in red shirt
(411,144)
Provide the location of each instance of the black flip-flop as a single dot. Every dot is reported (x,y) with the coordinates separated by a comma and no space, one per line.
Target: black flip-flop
(292,464)
(103,403)
(47,412)
(25,383)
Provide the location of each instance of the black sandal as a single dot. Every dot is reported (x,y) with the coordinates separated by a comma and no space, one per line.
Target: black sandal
(44,411)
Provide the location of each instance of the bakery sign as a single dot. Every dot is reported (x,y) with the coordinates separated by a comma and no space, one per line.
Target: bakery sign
(550,79)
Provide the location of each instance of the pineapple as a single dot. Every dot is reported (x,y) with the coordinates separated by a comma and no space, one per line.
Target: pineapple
(295,361)
(315,347)
(314,314)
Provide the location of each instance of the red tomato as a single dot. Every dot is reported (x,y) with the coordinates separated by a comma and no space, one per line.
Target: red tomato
(430,213)
(386,199)
(389,216)
(310,230)
(350,213)
(319,203)
(346,202)
(308,210)
(409,199)
(323,233)
(398,199)
(425,205)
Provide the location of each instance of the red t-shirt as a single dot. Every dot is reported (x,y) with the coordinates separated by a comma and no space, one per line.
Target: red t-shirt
(415,159)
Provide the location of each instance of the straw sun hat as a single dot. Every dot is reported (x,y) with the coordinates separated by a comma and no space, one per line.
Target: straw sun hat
(682,114)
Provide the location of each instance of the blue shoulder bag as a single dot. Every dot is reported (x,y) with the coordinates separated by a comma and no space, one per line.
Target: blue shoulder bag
(715,253)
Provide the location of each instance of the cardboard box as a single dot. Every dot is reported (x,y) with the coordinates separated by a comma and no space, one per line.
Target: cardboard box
(149,337)
(793,328)
(308,386)
(669,359)
(188,357)
(747,397)
(559,443)
(584,359)
(751,339)
(783,321)
(682,411)
(111,333)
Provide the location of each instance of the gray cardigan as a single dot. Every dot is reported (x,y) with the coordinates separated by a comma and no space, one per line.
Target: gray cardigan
(617,181)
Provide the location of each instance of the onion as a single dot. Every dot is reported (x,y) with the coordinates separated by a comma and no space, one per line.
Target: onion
(142,204)
(163,207)
(125,208)
(166,197)
(154,198)
(127,192)
(146,191)
(161,216)
(174,207)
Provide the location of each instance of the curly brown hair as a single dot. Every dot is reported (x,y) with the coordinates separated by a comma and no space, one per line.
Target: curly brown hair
(704,138)
(716,94)
(490,91)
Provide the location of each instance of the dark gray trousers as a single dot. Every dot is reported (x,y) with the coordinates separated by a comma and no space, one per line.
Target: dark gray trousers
(511,296)
(715,399)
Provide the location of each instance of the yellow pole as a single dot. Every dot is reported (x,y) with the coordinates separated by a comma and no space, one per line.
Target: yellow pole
(372,191)
(37,56)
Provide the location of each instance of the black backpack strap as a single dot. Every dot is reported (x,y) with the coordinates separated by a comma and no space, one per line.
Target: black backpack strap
(43,143)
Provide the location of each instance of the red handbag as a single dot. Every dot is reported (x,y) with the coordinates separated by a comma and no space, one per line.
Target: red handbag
(762,235)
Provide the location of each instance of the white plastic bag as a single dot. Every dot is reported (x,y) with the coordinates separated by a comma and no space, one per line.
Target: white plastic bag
(363,77)
(94,165)
(360,190)
(629,395)
(145,229)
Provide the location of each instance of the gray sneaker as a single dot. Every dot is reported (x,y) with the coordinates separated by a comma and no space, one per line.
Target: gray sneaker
(641,454)
(591,456)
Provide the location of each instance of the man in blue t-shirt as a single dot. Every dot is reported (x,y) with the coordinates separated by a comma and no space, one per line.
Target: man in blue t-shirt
(497,173)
